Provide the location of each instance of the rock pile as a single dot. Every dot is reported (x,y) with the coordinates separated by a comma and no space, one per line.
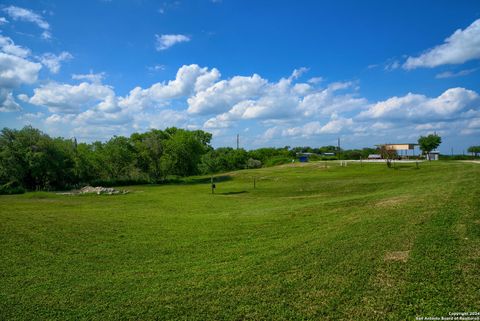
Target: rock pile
(100,190)
(95,190)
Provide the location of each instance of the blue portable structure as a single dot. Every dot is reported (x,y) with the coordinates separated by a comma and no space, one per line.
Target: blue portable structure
(303,159)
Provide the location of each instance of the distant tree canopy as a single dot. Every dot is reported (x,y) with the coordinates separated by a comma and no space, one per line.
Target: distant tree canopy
(474,150)
(35,161)
(429,143)
(32,160)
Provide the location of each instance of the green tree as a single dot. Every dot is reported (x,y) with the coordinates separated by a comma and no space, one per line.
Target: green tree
(13,155)
(118,156)
(474,150)
(223,159)
(429,143)
(387,154)
(183,151)
(87,164)
(150,147)
(34,160)
(264,154)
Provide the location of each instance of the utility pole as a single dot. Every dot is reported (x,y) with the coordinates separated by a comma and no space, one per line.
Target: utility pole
(238,140)
(338,148)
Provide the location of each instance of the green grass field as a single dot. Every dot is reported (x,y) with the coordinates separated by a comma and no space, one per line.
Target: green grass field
(309,243)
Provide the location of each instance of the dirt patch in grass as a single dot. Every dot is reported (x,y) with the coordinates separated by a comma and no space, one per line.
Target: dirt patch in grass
(296,164)
(385,280)
(397,256)
(392,201)
(305,196)
(475,253)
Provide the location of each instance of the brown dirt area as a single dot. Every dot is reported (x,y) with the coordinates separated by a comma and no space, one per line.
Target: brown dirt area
(398,256)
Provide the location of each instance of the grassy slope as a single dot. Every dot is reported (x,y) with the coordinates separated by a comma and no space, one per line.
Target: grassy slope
(357,243)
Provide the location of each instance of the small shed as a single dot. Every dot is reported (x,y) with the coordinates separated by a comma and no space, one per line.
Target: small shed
(303,158)
(433,155)
(374,156)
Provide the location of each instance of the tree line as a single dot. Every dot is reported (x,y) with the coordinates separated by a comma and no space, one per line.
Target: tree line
(32,160)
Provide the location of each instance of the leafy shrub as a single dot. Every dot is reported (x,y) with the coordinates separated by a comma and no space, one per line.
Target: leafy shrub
(254,163)
(11,188)
(277,160)
(326,158)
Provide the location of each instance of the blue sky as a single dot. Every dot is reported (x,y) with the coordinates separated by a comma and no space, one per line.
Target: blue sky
(276,72)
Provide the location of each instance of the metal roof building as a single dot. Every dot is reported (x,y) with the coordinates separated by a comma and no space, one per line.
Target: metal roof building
(401,148)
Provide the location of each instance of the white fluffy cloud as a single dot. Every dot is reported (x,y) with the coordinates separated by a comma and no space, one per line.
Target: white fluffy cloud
(255,98)
(92,103)
(22,14)
(7,102)
(15,70)
(417,107)
(330,100)
(297,73)
(163,42)
(461,46)
(95,78)
(451,74)
(224,94)
(63,98)
(189,79)
(283,111)
(161,119)
(53,62)
(333,126)
(9,47)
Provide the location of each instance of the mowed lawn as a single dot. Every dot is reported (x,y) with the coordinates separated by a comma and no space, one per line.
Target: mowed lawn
(309,243)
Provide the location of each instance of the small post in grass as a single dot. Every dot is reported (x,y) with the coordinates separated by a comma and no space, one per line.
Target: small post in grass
(213,185)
